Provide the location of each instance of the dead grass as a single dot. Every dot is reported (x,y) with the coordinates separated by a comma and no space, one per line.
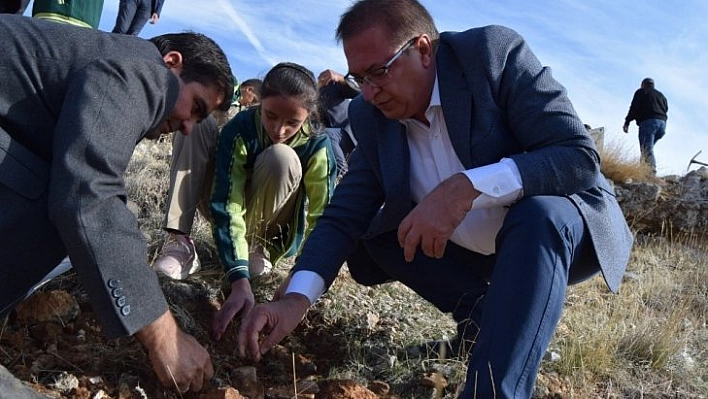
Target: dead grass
(649,341)
(621,165)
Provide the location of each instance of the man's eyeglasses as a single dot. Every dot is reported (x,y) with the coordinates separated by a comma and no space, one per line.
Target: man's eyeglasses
(376,77)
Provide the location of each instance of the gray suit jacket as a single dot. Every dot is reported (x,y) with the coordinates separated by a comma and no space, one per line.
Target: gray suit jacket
(73,104)
(498,101)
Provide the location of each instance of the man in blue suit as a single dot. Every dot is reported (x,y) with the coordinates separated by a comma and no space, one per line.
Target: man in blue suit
(473,182)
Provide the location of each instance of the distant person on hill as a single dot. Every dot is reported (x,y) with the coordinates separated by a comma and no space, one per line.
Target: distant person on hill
(191,176)
(649,108)
(473,182)
(73,104)
(84,13)
(335,95)
(275,173)
(134,14)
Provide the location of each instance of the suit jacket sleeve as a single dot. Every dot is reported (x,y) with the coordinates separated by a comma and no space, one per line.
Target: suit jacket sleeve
(109,105)
(534,110)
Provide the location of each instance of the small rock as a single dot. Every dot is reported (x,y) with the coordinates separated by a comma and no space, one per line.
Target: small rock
(379,387)
(245,379)
(222,393)
(65,382)
(56,305)
(434,380)
(344,389)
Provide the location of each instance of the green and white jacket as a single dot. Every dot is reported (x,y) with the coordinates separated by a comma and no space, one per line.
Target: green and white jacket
(240,142)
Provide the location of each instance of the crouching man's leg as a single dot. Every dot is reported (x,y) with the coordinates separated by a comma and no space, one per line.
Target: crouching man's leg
(537,248)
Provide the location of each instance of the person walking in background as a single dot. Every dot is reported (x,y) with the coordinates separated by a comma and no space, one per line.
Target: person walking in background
(191,175)
(134,14)
(73,104)
(274,175)
(84,13)
(649,109)
(473,182)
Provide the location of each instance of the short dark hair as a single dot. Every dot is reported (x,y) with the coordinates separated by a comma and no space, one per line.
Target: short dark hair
(404,20)
(203,61)
(648,82)
(292,80)
(257,85)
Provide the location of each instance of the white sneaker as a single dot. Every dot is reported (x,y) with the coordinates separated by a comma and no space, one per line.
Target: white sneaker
(259,261)
(178,258)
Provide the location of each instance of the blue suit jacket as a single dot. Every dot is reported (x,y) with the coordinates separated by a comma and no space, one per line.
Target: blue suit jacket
(498,102)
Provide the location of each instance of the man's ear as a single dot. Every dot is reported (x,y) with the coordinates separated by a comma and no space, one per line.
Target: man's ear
(173,60)
(425,47)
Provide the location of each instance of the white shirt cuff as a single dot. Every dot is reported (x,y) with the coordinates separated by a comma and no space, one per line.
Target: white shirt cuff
(499,183)
(307,283)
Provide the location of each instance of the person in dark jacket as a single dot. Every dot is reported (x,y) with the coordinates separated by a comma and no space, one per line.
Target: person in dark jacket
(134,14)
(473,182)
(648,108)
(333,108)
(73,104)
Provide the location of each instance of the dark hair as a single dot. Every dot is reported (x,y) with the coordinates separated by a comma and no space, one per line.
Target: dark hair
(404,19)
(648,82)
(256,84)
(292,80)
(203,61)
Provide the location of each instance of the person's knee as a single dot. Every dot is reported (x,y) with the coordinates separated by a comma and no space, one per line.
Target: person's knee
(536,213)
(279,160)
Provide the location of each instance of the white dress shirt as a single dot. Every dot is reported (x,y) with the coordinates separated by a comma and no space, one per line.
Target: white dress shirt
(432,160)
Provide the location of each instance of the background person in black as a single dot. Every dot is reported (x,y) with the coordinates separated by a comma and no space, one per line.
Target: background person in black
(648,108)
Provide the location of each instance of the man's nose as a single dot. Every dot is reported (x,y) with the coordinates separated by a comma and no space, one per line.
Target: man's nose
(187,126)
(368,90)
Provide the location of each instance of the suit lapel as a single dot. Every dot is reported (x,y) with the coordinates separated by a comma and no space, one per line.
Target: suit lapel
(456,100)
(395,162)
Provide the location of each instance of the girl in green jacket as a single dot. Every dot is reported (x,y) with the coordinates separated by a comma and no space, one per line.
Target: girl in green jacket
(271,161)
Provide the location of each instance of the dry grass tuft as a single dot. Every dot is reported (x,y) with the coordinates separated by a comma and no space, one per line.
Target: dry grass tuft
(620,165)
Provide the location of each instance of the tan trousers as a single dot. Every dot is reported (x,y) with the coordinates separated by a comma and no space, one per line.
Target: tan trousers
(272,194)
(270,197)
(191,175)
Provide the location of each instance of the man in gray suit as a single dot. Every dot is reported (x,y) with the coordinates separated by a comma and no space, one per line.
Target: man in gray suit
(73,104)
(473,182)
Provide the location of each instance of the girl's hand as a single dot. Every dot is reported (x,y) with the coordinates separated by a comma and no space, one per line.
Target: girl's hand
(240,300)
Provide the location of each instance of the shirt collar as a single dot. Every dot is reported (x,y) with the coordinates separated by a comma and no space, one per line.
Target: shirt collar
(434,102)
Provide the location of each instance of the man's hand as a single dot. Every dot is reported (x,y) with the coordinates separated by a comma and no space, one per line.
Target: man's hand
(329,76)
(625,128)
(240,300)
(154,18)
(431,223)
(177,358)
(280,291)
(274,320)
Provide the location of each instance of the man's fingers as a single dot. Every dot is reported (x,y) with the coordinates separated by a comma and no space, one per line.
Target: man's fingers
(249,333)
(440,245)
(403,230)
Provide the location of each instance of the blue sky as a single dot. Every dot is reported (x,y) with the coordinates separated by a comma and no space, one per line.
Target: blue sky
(599,50)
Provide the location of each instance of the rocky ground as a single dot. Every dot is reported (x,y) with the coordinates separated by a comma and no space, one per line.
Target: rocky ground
(53,342)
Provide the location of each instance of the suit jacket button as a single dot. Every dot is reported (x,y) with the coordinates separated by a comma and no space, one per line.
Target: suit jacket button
(113,283)
(117,292)
(120,301)
(125,310)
